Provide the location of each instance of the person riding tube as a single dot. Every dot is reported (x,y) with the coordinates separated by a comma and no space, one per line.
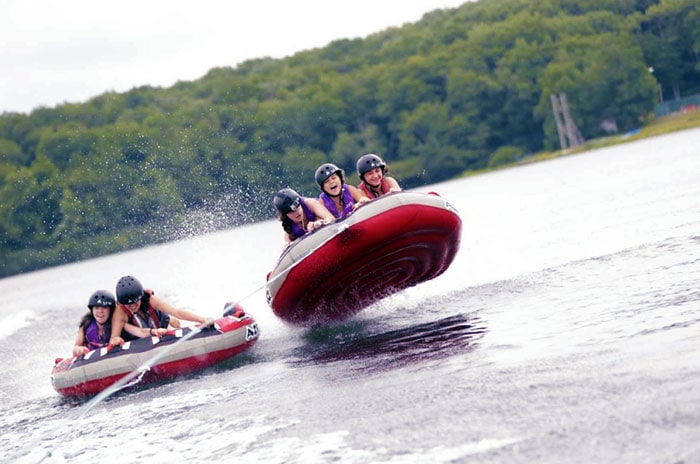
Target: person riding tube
(336,195)
(299,215)
(372,172)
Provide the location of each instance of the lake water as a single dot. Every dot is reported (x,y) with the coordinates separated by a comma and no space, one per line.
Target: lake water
(566,330)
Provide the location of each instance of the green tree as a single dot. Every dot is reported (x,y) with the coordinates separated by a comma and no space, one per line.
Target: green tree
(11,154)
(450,92)
(671,41)
(604,77)
(29,206)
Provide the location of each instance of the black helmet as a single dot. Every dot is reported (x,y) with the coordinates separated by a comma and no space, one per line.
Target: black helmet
(102,298)
(286,200)
(368,162)
(325,171)
(129,290)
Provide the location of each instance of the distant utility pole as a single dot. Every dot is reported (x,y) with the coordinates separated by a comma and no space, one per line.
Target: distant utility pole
(569,135)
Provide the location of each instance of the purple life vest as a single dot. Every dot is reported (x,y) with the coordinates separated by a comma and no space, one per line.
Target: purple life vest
(92,335)
(346,201)
(298,231)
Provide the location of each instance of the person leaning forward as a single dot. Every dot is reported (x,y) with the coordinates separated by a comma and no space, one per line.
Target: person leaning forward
(299,215)
(373,179)
(140,307)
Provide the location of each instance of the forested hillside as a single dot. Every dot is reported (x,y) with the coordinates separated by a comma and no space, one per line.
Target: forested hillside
(450,93)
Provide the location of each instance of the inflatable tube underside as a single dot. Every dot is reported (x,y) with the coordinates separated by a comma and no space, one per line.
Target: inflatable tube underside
(394,242)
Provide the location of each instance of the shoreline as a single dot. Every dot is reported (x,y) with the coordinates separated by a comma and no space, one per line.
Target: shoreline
(676,122)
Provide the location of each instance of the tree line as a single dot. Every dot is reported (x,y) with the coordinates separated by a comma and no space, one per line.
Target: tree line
(459,90)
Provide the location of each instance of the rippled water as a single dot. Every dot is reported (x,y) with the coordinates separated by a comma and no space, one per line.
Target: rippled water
(566,330)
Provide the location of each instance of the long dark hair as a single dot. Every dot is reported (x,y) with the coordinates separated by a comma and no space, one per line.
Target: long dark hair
(145,302)
(286,223)
(88,317)
(86,320)
(144,307)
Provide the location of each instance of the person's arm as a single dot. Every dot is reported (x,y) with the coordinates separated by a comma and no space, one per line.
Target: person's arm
(174,323)
(79,347)
(162,305)
(143,332)
(393,184)
(357,195)
(118,321)
(319,209)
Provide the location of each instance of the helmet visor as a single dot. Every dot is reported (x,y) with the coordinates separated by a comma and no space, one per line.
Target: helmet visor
(130,299)
(291,205)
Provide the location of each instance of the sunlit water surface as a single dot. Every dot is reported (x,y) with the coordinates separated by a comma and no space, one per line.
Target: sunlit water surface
(566,330)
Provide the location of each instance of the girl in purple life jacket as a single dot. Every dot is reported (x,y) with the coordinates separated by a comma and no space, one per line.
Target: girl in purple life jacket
(338,197)
(299,215)
(95,326)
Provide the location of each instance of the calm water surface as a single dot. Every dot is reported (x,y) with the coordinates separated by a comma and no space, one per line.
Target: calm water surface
(566,330)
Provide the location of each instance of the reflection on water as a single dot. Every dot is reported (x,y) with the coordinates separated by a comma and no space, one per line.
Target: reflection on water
(439,339)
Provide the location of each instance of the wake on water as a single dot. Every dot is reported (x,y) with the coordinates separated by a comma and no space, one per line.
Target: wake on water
(569,336)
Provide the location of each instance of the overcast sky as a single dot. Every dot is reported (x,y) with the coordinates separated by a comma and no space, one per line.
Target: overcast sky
(56,51)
